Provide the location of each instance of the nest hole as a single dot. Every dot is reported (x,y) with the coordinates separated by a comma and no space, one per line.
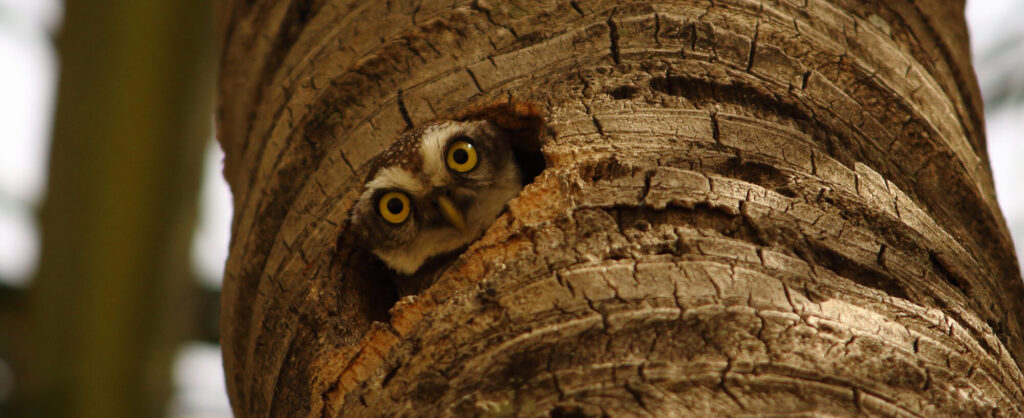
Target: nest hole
(531,162)
(369,288)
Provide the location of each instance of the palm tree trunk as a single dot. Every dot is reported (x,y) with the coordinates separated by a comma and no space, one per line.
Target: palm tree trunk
(748,207)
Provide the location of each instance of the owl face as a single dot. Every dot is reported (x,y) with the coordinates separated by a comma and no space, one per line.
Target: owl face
(436,189)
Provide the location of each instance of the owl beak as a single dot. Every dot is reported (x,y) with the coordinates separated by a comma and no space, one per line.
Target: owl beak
(451,213)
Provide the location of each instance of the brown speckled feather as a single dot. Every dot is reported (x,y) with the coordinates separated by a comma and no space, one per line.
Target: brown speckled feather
(404,152)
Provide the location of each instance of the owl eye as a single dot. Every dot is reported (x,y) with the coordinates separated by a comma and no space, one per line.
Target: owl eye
(461,155)
(394,207)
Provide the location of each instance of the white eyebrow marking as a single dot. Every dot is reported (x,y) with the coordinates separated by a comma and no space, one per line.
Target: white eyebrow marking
(395,178)
(435,138)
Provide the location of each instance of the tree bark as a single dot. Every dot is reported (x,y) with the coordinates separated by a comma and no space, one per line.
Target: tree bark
(748,207)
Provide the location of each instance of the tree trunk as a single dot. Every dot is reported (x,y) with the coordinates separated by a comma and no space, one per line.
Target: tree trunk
(109,305)
(748,207)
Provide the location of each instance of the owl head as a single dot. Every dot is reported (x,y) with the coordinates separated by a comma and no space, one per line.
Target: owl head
(441,185)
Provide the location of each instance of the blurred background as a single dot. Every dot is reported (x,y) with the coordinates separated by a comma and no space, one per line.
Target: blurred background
(114,218)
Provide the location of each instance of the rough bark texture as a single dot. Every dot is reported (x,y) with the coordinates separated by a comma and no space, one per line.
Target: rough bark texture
(749,207)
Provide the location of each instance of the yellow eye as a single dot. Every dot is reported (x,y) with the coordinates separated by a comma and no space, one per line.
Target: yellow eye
(394,207)
(461,156)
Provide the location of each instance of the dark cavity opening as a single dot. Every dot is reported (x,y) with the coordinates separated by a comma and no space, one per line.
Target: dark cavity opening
(531,162)
(364,286)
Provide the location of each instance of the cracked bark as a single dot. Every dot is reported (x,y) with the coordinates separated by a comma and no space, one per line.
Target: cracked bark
(749,207)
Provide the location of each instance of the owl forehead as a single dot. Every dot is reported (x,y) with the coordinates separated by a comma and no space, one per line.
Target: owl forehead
(404,153)
(415,162)
(434,141)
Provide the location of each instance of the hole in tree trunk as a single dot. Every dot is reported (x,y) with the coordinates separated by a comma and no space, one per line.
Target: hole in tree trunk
(531,161)
(369,288)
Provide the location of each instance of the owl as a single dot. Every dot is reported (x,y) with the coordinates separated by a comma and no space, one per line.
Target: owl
(441,185)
